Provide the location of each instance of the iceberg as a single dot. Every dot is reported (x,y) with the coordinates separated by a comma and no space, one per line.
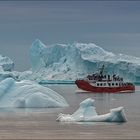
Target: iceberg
(6,63)
(68,62)
(14,74)
(28,94)
(64,63)
(87,113)
(7,67)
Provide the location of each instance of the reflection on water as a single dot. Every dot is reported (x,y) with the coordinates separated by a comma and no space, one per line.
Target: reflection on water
(104,102)
(83,123)
(92,123)
(31,110)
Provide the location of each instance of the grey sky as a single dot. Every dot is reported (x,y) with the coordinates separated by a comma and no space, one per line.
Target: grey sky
(115,26)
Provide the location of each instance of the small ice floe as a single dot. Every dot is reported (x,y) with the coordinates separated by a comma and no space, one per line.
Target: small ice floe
(87,113)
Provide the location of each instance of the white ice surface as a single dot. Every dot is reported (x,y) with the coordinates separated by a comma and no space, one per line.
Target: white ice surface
(28,94)
(87,113)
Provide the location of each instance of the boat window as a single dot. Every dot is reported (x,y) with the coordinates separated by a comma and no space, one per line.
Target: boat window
(112,84)
(116,84)
(109,84)
(101,84)
(97,84)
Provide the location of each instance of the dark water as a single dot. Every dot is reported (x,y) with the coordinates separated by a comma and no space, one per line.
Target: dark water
(104,102)
(41,123)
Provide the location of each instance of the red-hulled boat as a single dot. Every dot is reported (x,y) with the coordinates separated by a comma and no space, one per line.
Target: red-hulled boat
(99,83)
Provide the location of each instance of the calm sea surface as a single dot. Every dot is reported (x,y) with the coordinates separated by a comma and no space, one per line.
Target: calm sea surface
(41,123)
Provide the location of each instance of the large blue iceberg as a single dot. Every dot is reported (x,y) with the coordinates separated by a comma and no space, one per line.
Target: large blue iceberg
(72,61)
(67,62)
(87,113)
(28,94)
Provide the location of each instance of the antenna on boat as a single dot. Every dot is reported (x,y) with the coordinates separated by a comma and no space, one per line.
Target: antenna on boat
(102,69)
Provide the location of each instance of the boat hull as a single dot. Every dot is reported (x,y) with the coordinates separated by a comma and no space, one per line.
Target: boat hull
(84,85)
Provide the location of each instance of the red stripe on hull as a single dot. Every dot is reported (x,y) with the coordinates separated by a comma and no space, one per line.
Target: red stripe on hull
(84,85)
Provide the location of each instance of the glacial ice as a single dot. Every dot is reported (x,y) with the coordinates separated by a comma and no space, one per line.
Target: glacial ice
(28,94)
(14,74)
(67,62)
(87,113)
(6,63)
(72,61)
(36,55)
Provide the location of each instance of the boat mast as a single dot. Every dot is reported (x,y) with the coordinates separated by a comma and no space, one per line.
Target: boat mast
(102,69)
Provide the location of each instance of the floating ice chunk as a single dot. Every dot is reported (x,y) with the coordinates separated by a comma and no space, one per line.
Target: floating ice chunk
(28,94)
(87,113)
(6,63)
(39,100)
(115,115)
(72,61)
(68,62)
